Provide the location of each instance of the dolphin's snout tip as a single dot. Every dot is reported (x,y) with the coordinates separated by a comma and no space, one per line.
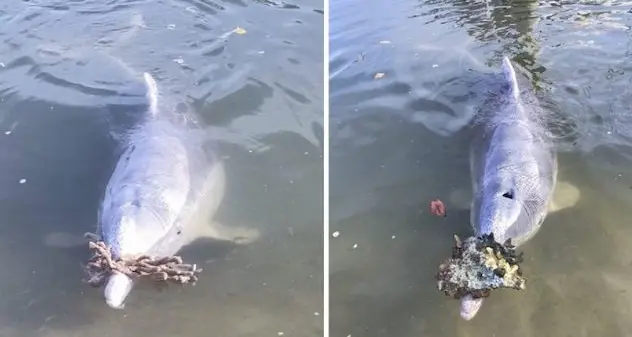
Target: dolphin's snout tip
(467,315)
(115,305)
(470,306)
(117,289)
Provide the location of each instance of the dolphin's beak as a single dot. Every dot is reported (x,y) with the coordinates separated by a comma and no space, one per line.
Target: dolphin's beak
(116,290)
(470,306)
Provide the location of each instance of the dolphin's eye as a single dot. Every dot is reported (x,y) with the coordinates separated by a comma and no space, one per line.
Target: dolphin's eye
(508,195)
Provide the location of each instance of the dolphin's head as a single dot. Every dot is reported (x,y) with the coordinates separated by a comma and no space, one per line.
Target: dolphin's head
(123,241)
(517,185)
(134,228)
(508,208)
(123,235)
(128,236)
(501,209)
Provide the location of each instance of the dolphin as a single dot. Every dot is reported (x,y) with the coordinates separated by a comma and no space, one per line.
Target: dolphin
(164,187)
(513,165)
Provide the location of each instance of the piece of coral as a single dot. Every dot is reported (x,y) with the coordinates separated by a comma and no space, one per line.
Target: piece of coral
(479,265)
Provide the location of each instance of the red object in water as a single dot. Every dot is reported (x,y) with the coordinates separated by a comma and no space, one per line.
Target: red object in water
(437,208)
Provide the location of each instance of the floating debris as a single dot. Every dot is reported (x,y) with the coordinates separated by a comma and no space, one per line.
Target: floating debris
(22,181)
(102,265)
(479,265)
(336,234)
(239,31)
(378,75)
(438,208)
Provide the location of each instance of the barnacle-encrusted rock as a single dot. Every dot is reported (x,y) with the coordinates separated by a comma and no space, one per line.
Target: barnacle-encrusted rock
(479,265)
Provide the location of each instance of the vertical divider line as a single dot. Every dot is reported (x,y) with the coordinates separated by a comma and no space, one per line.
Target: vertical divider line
(326,170)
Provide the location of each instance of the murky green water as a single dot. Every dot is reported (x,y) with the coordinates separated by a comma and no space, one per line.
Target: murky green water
(395,146)
(66,81)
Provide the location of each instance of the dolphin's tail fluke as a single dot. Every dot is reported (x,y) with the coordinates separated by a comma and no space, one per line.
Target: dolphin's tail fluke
(152,94)
(510,75)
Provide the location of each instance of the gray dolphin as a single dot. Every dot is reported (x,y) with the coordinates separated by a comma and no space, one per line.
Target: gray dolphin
(513,166)
(160,194)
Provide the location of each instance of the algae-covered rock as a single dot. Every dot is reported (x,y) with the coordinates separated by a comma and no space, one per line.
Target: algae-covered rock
(479,265)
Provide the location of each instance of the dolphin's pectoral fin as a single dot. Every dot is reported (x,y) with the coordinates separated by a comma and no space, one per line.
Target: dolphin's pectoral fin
(460,199)
(65,240)
(238,235)
(565,195)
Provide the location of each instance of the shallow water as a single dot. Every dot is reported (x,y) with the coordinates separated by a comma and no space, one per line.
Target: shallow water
(70,75)
(397,144)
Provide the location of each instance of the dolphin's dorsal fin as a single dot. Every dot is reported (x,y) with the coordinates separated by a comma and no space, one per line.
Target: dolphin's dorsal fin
(152,93)
(510,75)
